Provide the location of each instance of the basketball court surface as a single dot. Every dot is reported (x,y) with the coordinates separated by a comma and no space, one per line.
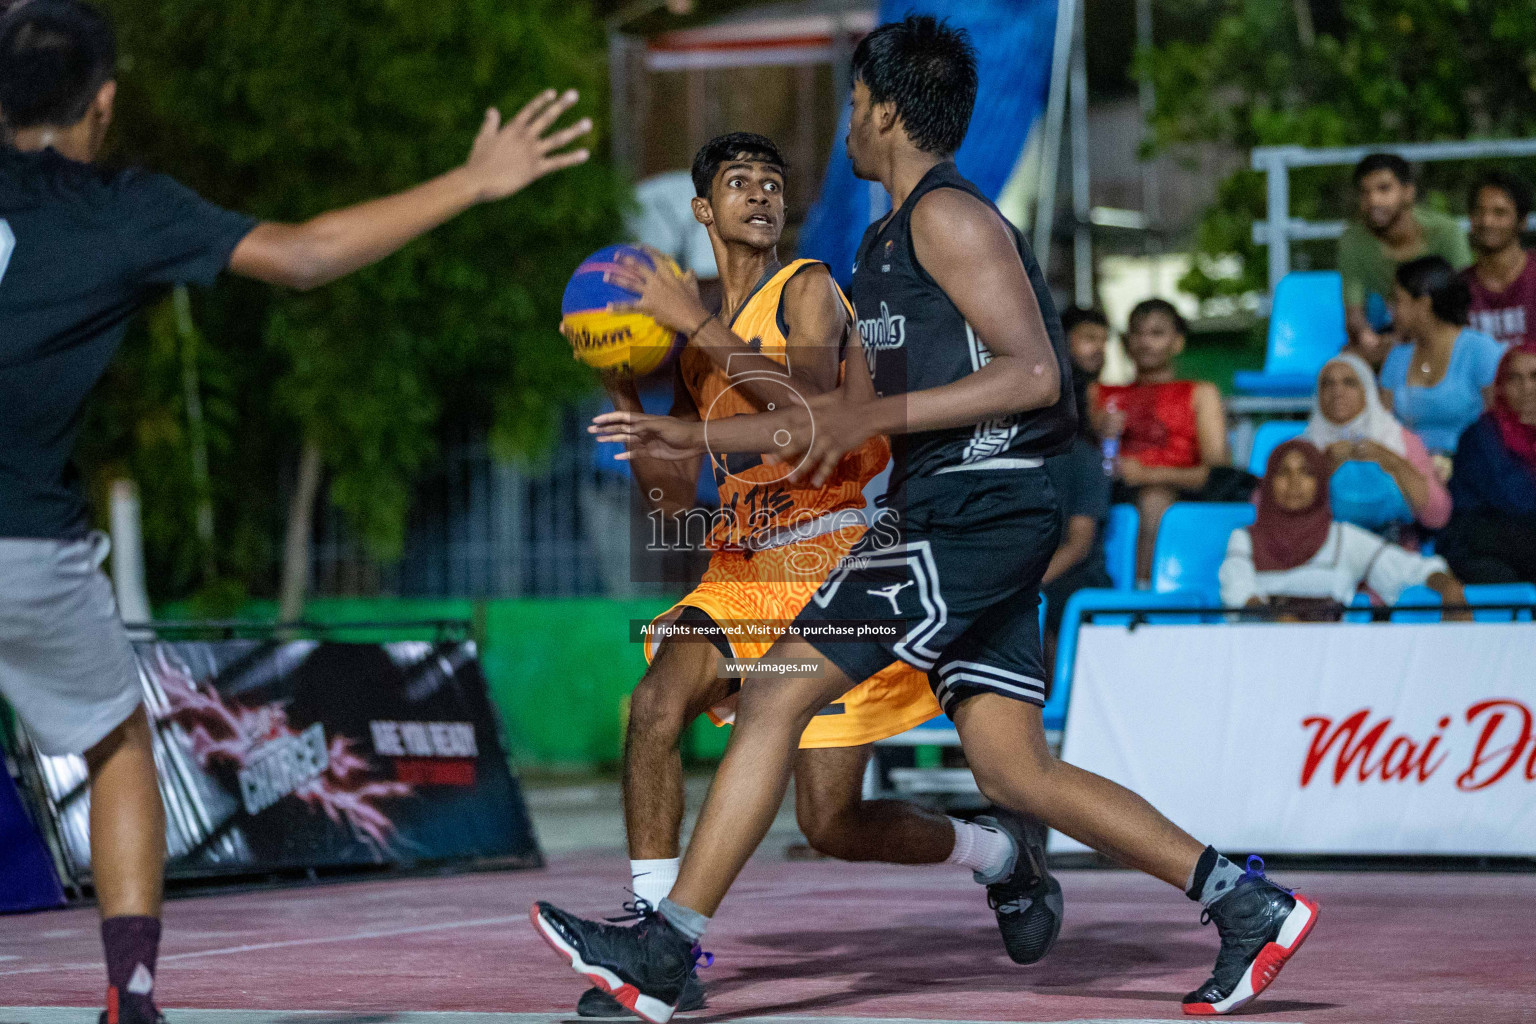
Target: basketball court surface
(816,942)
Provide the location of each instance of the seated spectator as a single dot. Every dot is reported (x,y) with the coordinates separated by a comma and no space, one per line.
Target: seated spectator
(1380,473)
(1503,280)
(1172,433)
(1295,557)
(1391,230)
(1492,536)
(1081,479)
(1087,333)
(1441,378)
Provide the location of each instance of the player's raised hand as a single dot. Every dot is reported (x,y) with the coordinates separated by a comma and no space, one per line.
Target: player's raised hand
(647,436)
(670,300)
(508,158)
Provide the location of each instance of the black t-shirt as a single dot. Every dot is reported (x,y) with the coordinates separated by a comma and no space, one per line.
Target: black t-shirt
(1082,487)
(81,250)
(915,339)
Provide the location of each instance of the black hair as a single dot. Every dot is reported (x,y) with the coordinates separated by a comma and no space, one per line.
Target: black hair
(725,148)
(928,70)
(55,55)
(1448,293)
(1374,162)
(1516,188)
(1162,306)
(1074,315)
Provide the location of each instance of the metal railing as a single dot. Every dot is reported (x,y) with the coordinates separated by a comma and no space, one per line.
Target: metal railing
(230,629)
(1277,162)
(1193,614)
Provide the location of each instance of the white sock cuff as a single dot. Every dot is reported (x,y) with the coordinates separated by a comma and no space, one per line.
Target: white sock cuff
(984,850)
(651,880)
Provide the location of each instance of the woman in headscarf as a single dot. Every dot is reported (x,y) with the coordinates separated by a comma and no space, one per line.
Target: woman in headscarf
(1379,471)
(1492,536)
(1295,555)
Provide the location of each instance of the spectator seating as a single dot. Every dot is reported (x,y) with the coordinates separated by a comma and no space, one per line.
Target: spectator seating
(1418,594)
(1091,599)
(1501,593)
(1306,329)
(1271,435)
(1120,545)
(1191,544)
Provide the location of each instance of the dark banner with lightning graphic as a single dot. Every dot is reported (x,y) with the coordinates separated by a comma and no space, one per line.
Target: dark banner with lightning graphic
(281,755)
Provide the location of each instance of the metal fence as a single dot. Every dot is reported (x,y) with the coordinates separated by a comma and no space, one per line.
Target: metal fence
(480,527)
(1277,162)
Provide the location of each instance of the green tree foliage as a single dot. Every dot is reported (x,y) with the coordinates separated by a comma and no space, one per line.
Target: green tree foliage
(285,109)
(1369,71)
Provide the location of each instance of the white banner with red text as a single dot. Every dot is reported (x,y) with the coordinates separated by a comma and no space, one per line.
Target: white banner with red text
(1329,738)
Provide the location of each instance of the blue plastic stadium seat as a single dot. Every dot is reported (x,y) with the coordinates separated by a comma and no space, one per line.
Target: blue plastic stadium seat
(1417,594)
(1501,593)
(1306,329)
(1090,599)
(1191,544)
(1120,545)
(1271,435)
(1362,601)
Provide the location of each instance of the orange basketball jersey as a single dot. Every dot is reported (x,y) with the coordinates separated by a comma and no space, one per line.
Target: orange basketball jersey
(759,506)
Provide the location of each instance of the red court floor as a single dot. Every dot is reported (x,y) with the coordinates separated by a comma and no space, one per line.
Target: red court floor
(801,940)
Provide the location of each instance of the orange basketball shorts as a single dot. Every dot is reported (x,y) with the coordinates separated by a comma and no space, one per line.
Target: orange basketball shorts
(768,588)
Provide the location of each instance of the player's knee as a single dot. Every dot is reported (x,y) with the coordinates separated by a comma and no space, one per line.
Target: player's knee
(657,709)
(777,703)
(1024,784)
(830,832)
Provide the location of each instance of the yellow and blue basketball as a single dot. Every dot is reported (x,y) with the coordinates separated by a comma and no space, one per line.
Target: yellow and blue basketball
(609,340)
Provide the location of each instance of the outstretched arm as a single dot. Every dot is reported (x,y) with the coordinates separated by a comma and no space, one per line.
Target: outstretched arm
(503,160)
(669,485)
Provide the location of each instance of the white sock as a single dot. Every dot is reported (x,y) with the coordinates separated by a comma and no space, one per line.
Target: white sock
(652,879)
(986,851)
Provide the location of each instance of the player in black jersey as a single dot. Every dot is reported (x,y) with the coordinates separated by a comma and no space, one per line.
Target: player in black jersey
(968,368)
(81,250)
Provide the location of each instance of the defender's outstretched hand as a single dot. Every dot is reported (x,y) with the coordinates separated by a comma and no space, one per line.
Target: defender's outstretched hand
(838,426)
(508,158)
(647,436)
(670,300)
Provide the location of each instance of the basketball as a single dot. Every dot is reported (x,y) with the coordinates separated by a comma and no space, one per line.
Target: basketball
(606,339)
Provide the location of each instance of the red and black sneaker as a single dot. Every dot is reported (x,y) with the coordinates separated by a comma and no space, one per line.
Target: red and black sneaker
(644,967)
(1261,927)
(118,1013)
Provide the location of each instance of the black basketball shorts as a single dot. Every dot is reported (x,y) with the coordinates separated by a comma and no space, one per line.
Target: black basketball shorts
(954,560)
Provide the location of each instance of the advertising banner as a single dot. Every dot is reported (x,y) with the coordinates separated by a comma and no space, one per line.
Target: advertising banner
(300,754)
(1328,738)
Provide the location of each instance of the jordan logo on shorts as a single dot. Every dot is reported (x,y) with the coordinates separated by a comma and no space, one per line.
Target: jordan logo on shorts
(889,593)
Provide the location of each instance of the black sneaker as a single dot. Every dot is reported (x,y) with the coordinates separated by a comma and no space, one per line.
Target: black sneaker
(594,1002)
(1261,926)
(1027,901)
(644,967)
(130,1018)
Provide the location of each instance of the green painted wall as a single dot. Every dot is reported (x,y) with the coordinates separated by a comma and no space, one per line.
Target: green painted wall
(559,671)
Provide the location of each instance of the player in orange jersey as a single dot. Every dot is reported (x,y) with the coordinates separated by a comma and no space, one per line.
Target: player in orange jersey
(779,338)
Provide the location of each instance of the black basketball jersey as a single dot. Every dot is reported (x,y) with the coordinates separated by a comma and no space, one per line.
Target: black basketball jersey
(915,339)
(81,250)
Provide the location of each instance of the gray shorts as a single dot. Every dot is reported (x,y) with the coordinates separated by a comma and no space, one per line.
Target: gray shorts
(65,662)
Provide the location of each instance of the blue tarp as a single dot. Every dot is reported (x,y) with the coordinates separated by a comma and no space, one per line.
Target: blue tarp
(1014,41)
(27,878)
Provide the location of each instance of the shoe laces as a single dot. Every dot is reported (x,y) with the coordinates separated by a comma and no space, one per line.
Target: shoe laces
(642,910)
(1253,870)
(637,909)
